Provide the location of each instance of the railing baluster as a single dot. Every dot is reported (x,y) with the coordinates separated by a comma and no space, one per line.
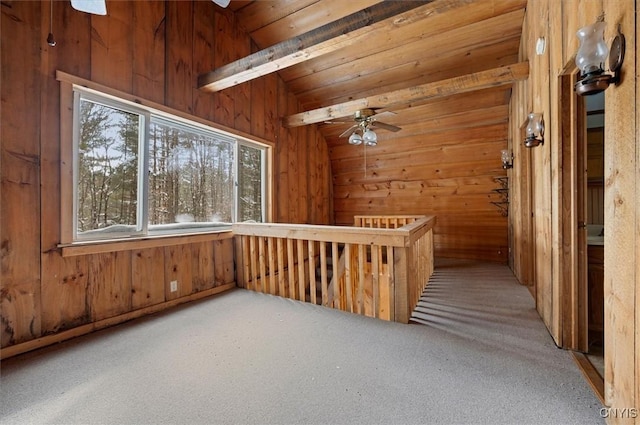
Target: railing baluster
(392,282)
(323,273)
(254,263)
(245,262)
(301,279)
(291,269)
(280,250)
(263,265)
(312,271)
(375,280)
(335,259)
(348,276)
(361,277)
(272,267)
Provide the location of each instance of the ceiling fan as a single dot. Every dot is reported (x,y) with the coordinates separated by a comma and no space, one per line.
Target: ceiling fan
(365,123)
(99,7)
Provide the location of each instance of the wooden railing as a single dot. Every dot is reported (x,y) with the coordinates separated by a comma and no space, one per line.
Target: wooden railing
(384,221)
(378,271)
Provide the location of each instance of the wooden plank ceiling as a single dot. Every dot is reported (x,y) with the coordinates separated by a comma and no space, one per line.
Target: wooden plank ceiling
(443,68)
(427,41)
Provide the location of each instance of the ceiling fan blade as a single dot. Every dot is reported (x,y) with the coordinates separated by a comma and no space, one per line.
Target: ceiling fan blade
(385,114)
(349,131)
(338,121)
(222,3)
(385,126)
(96,7)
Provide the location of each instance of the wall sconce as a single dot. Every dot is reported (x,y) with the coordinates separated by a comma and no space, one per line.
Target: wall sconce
(591,56)
(534,131)
(507,159)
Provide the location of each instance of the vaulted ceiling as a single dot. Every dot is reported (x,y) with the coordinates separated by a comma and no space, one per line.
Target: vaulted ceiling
(442,70)
(432,63)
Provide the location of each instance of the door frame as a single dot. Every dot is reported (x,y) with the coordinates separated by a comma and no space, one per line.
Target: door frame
(573,151)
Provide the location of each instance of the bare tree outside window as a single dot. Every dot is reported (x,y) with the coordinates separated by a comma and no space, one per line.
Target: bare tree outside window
(191,176)
(107,167)
(249,183)
(188,184)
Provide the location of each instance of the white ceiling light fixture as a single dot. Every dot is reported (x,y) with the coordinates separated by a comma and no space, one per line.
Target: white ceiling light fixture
(95,7)
(222,3)
(355,139)
(361,132)
(370,137)
(365,122)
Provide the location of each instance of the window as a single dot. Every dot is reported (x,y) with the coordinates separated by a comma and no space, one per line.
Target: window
(139,171)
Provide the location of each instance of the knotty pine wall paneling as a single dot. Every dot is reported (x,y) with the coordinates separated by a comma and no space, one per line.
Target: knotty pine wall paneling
(64,280)
(294,168)
(20,296)
(538,16)
(520,178)
(446,166)
(204,42)
(149,38)
(621,219)
(154,50)
(559,21)
(281,160)
(637,208)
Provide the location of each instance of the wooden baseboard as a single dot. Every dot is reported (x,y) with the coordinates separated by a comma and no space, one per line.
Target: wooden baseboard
(44,341)
(591,374)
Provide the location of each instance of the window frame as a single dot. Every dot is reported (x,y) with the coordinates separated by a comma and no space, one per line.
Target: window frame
(142,165)
(69,85)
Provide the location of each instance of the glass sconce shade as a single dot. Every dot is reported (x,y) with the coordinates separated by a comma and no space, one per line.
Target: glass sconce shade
(370,138)
(355,139)
(593,51)
(534,131)
(507,159)
(591,57)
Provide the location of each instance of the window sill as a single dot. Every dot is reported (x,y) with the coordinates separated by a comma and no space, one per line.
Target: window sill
(113,245)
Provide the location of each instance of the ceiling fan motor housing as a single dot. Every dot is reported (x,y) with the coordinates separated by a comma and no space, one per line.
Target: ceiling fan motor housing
(363,114)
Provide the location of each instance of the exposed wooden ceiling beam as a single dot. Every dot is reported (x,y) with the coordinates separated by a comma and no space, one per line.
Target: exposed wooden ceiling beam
(320,41)
(463,84)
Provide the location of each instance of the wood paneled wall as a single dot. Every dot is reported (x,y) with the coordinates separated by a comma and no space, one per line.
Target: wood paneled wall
(444,165)
(537,207)
(154,50)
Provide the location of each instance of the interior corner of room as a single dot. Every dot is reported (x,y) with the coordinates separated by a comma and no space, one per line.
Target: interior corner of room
(355,157)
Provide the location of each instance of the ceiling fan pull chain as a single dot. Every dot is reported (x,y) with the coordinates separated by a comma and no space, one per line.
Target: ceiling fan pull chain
(51,41)
(365,160)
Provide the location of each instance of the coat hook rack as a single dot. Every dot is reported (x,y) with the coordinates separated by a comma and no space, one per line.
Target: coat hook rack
(503,191)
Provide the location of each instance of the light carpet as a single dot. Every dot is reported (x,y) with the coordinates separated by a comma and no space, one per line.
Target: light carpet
(482,357)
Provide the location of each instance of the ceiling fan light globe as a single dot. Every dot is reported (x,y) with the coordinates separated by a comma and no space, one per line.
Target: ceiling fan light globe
(222,3)
(370,138)
(96,7)
(355,139)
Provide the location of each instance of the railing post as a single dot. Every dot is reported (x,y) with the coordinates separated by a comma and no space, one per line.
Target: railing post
(239,263)
(402,260)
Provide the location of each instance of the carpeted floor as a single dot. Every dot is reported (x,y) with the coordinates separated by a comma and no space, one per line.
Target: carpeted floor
(481,356)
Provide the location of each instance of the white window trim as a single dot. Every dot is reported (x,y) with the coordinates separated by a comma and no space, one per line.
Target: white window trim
(68,150)
(81,93)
